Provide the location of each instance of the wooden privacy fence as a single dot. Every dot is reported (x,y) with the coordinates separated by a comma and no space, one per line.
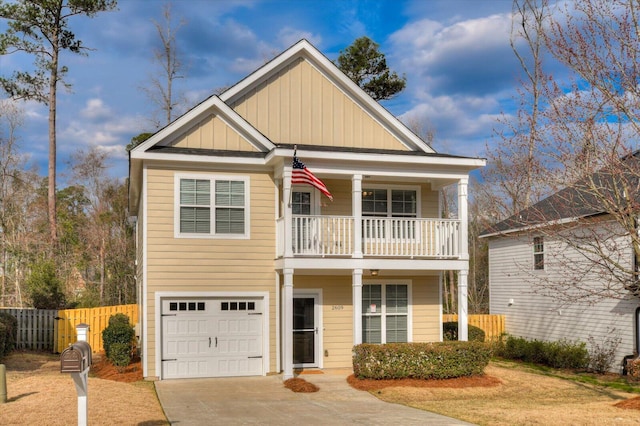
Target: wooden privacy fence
(492,325)
(36,328)
(96,318)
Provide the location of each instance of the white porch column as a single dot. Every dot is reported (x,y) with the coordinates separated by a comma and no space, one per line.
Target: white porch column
(287,338)
(356,207)
(463,320)
(463,215)
(288,221)
(357,306)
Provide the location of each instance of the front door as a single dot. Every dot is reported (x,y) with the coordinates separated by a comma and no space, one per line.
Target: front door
(306,333)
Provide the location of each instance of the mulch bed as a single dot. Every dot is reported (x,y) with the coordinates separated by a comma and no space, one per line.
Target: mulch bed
(103,369)
(457,383)
(297,384)
(631,404)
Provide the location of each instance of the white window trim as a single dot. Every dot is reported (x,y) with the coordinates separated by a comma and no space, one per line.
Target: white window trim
(388,188)
(534,253)
(212,178)
(384,283)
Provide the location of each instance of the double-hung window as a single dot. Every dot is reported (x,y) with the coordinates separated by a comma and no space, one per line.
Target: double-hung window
(538,253)
(385,313)
(401,203)
(212,206)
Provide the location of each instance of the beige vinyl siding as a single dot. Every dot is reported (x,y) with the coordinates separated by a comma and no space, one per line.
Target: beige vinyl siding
(337,312)
(209,264)
(337,316)
(299,105)
(426,309)
(202,136)
(536,316)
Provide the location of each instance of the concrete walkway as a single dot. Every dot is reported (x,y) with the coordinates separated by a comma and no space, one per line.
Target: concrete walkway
(265,401)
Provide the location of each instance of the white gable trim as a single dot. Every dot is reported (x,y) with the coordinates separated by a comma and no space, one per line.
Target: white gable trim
(212,105)
(306,50)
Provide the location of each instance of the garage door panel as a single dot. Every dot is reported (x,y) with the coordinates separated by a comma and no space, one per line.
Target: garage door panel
(239,366)
(186,368)
(222,338)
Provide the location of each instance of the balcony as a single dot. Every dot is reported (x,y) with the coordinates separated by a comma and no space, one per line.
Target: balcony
(326,236)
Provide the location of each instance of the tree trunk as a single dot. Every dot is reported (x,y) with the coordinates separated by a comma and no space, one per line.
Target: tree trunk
(51,195)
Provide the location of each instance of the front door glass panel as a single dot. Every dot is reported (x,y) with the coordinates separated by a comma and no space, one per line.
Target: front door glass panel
(304,330)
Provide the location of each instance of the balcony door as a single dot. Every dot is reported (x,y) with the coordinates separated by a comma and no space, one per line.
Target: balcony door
(303,206)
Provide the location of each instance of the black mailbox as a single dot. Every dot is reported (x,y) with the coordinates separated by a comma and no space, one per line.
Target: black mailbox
(76,358)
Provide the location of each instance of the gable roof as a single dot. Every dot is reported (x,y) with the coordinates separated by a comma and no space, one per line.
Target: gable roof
(599,193)
(304,49)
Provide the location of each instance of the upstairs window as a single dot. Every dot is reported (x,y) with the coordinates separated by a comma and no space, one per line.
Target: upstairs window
(538,253)
(212,207)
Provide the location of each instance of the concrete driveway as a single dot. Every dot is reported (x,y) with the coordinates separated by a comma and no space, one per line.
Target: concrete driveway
(265,401)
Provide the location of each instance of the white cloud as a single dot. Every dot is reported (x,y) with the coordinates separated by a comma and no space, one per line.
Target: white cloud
(288,36)
(95,109)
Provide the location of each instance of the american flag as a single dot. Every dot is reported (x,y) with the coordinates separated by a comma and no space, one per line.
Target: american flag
(302,175)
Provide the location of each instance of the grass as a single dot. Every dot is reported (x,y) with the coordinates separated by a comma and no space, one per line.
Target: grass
(527,395)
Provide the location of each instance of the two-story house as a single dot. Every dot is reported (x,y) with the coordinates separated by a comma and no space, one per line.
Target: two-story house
(565,268)
(242,272)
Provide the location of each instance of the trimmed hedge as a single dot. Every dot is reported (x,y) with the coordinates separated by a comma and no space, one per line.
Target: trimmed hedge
(450,332)
(8,333)
(559,354)
(441,360)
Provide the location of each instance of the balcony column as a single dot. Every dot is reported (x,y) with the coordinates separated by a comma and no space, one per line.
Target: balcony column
(463,320)
(356,207)
(287,319)
(357,306)
(463,216)
(288,217)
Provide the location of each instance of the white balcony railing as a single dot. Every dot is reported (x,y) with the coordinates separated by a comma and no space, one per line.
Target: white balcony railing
(383,237)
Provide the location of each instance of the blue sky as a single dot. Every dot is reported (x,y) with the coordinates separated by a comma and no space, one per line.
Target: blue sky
(461,73)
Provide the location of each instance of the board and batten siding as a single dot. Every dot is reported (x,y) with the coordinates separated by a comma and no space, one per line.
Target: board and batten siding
(536,316)
(206,264)
(214,133)
(300,105)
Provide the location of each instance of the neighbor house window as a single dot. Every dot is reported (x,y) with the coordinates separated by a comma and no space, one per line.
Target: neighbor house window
(385,313)
(538,253)
(212,206)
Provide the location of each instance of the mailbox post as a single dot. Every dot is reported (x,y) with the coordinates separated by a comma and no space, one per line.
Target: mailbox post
(76,359)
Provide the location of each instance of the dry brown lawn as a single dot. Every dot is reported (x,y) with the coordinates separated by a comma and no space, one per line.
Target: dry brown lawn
(507,395)
(38,394)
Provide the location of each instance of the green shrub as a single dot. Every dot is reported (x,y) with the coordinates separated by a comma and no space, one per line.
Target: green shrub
(559,354)
(450,332)
(440,360)
(120,355)
(118,331)
(8,333)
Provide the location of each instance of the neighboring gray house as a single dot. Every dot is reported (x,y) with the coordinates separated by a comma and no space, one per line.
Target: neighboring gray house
(535,265)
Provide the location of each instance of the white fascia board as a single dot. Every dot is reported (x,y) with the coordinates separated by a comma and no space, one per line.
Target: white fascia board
(358,157)
(534,227)
(325,66)
(228,115)
(203,159)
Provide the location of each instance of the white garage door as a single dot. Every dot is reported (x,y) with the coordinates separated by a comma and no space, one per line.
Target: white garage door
(211,337)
